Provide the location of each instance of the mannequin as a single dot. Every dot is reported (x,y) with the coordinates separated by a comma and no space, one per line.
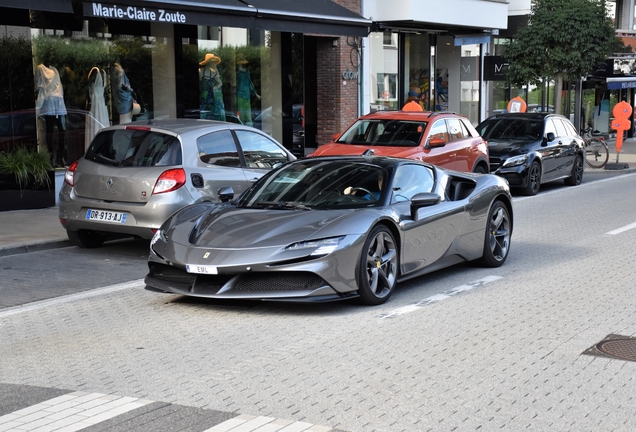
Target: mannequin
(99,111)
(244,90)
(211,97)
(122,94)
(50,106)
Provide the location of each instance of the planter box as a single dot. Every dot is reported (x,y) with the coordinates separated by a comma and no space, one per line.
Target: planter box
(30,198)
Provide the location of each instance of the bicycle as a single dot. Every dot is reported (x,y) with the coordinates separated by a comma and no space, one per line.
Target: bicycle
(596,150)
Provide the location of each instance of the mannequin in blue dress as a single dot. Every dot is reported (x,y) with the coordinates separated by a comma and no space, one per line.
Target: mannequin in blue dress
(211,97)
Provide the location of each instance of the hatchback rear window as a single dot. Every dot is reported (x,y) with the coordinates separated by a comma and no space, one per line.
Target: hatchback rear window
(135,148)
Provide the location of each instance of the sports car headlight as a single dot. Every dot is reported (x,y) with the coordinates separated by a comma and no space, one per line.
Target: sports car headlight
(321,246)
(516,161)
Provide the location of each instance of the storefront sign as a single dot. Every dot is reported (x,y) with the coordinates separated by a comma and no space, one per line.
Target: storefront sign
(135,13)
(471,40)
(621,84)
(495,68)
(350,75)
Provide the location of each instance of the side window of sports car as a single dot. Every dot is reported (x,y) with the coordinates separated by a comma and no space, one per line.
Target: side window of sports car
(260,151)
(410,180)
(218,148)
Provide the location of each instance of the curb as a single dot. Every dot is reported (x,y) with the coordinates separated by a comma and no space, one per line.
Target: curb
(23,248)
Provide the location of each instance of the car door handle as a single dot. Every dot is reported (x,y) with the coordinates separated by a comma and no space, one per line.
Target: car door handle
(254,180)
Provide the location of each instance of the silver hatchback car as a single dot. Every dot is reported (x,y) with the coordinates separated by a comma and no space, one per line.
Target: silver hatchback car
(135,175)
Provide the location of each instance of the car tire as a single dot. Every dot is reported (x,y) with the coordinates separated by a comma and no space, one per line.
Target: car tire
(479,169)
(498,233)
(86,239)
(533,179)
(378,267)
(577,172)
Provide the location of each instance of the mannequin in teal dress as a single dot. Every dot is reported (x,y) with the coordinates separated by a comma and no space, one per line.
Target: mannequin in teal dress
(212,106)
(244,90)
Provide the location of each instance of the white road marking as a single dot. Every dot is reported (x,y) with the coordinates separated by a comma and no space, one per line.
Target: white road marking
(70,298)
(439,297)
(79,410)
(622,229)
(70,412)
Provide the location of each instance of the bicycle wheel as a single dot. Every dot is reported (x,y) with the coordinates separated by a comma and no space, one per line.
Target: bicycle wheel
(596,153)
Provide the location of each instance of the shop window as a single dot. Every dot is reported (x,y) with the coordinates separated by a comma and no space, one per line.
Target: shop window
(383,71)
(389,39)
(387,86)
(469,81)
(417,63)
(90,75)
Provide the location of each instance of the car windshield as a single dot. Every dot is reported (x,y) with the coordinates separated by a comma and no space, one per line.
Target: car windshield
(318,184)
(133,147)
(380,132)
(511,129)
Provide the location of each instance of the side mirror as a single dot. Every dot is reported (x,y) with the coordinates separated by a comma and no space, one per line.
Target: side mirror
(549,138)
(225,194)
(335,137)
(424,199)
(436,142)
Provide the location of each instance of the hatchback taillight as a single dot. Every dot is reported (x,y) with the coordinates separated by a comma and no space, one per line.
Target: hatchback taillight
(69,175)
(170,180)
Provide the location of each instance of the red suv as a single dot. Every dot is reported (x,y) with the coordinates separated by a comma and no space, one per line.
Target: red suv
(441,138)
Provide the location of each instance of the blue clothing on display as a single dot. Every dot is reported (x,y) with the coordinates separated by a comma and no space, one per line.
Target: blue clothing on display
(211,98)
(50,98)
(122,92)
(244,91)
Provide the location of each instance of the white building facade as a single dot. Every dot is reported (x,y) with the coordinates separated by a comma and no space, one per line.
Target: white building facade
(432,49)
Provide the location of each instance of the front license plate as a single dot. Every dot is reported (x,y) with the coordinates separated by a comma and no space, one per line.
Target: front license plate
(106,216)
(202,269)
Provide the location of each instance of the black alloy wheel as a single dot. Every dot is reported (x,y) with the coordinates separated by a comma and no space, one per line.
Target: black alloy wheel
(498,233)
(378,267)
(533,179)
(577,172)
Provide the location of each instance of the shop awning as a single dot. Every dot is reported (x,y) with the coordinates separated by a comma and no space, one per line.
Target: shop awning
(322,17)
(309,16)
(63,6)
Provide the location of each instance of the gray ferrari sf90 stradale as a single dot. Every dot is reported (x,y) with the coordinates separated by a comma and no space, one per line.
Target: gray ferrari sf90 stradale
(332,228)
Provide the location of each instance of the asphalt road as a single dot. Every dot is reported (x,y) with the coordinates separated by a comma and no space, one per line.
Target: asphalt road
(466,348)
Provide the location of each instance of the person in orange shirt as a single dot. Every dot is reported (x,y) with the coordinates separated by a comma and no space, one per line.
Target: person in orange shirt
(412,103)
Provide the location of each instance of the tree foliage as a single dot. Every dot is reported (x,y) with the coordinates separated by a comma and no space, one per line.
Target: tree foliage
(564,39)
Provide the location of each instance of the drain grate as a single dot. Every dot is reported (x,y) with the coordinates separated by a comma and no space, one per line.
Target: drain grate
(614,347)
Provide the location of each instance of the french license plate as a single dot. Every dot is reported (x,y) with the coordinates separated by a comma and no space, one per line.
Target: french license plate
(202,269)
(106,216)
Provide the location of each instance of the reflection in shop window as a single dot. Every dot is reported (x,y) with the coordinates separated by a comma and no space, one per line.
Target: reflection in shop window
(225,73)
(383,70)
(85,78)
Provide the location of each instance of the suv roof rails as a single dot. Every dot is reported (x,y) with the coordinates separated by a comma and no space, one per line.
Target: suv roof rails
(434,113)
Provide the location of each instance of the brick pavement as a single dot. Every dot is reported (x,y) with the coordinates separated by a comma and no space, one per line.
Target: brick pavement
(504,356)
